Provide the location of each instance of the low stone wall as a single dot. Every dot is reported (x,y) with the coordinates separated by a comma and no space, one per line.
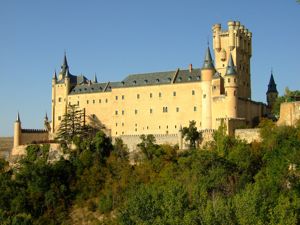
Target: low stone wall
(33,136)
(249,135)
(289,113)
(132,140)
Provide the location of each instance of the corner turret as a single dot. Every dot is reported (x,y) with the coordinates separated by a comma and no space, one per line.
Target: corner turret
(17,131)
(231,89)
(207,73)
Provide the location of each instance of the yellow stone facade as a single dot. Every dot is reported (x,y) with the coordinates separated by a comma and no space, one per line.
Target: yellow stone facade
(169,100)
(164,105)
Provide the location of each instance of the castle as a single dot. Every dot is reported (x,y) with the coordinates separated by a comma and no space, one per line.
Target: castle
(161,103)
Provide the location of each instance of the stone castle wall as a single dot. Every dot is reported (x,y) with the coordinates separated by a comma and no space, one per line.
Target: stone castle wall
(249,135)
(132,140)
(289,113)
(33,136)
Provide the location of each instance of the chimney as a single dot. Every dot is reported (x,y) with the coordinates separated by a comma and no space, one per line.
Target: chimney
(190,67)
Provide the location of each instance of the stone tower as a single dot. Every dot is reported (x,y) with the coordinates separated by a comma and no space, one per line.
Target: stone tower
(60,91)
(231,89)
(237,42)
(272,93)
(207,72)
(17,131)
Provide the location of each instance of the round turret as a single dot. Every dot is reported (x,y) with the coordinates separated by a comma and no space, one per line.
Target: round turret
(17,132)
(231,33)
(231,89)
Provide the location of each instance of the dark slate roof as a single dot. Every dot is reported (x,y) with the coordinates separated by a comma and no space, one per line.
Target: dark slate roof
(208,62)
(272,85)
(230,67)
(75,80)
(138,80)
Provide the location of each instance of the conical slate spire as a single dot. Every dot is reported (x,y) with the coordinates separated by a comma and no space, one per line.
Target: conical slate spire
(54,75)
(64,66)
(230,66)
(272,85)
(18,118)
(95,79)
(46,117)
(208,62)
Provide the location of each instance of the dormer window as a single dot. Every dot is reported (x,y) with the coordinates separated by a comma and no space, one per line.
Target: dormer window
(134,82)
(169,79)
(145,81)
(198,77)
(190,78)
(123,83)
(100,88)
(157,80)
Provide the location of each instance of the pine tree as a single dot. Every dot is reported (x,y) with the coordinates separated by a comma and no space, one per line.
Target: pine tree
(72,124)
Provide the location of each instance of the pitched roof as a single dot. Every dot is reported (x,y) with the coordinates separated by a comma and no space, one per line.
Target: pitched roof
(139,80)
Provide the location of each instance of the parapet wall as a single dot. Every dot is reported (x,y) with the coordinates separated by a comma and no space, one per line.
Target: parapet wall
(33,136)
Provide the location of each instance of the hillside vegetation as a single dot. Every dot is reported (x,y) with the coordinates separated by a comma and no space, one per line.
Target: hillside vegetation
(225,182)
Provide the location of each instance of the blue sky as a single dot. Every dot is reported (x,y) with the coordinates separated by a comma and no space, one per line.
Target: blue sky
(116,38)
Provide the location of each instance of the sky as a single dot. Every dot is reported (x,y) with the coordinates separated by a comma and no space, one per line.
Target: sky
(116,38)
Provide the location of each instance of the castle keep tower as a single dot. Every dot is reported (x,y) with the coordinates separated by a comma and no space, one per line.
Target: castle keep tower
(237,42)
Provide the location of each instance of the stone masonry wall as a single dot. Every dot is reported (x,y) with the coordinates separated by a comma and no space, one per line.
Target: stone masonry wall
(249,135)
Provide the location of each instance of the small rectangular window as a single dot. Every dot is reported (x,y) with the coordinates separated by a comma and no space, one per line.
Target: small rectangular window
(123,112)
(116,97)
(106,100)
(150,95)
(165,109)
(228,80)
(195,108)
(116,124)
(59,99)
(177,109)
(116,112)
(99,100)
(78,103)
(135,111)
(151,111)
(59,117)
(123,97)
(174,93)
(93,101)
(138,96)
(87,101)
(204,96)
(193,92)
(159,94)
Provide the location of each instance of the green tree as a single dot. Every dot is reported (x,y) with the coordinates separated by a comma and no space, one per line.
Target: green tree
(72,124)
(191,134)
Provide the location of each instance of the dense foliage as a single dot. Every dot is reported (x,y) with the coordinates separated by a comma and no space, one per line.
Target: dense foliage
(225,182)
